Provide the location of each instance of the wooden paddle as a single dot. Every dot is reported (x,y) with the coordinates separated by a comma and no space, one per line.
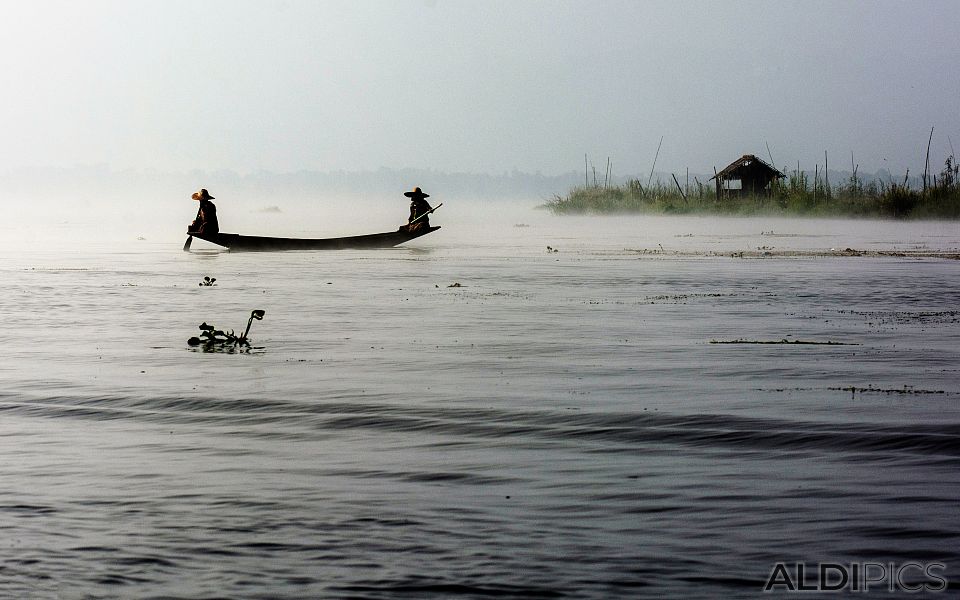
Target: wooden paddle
(425,214)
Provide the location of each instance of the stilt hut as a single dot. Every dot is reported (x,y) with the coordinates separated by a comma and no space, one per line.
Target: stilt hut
(746,176)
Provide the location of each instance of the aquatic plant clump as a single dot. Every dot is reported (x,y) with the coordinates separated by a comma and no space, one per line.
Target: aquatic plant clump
(217,339)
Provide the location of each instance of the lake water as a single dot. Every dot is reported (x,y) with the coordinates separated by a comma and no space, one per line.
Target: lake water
(561,424)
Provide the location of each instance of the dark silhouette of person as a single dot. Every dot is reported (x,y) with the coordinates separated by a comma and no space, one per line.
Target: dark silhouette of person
(205,225)
(419,209)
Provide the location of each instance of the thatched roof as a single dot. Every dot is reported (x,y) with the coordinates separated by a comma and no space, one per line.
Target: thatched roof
(748,163)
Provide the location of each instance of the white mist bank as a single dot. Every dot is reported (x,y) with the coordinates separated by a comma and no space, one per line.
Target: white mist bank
(58,220)
(157,219)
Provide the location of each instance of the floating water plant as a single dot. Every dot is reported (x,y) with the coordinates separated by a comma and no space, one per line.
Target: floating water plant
(216,339)
(907,390)
(785,341)
(208,281)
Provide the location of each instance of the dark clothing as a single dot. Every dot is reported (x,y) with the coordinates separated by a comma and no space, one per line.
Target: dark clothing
(418,206)
(206,221)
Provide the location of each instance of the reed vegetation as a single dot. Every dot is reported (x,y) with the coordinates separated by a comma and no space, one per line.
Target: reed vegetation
(798,194)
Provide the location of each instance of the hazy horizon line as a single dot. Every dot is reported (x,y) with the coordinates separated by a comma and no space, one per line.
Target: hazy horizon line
(105,169)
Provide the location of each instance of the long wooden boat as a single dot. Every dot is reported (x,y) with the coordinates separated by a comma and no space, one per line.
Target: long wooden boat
(251,243)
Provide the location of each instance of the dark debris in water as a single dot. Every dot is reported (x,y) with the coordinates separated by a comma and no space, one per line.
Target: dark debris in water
(906,390)
(907,317)
(659,250)
(674,298)
(775,252)
(786,341)
(680,298)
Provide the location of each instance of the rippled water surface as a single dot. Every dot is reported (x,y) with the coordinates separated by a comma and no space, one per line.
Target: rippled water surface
(561,424)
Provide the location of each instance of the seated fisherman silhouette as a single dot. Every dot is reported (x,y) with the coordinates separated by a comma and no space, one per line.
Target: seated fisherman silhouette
(419,211)
(205,225)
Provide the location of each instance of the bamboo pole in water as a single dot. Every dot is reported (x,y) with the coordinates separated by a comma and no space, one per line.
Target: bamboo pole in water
(716,181)
(679,189)
(816,181)
(826,175)
(656,156)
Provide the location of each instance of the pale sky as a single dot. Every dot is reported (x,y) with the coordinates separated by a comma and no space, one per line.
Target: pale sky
(481,87)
